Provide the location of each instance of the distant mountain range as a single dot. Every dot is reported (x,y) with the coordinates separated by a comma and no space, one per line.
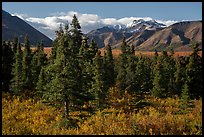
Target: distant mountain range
(144,35)
(13,26)
(150,35)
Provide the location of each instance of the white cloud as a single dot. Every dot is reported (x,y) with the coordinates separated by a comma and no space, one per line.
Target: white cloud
(22,16)
(48,22)
(109,21)
(88,22)
(167,22)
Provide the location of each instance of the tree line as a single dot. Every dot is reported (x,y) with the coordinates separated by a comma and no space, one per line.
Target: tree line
(75,72)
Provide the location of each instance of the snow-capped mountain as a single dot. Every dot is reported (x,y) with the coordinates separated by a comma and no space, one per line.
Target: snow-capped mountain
(112,34)
(137,26)
(149,35)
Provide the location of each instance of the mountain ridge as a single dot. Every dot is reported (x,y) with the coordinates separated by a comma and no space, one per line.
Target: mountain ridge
(14,26)
(144,35)
(151,37)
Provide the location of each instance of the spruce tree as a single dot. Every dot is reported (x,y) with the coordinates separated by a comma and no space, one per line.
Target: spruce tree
(93,49)
(154,60)
(185,96)
(147,81)
(124,46)
(168,72)
(131,76)
(121,73)
(87,53)
(179,74)
(76,35)
(17,81)
(7,62)
(143,75)
(99,86)
(108,62)
(64,79)
(39,60)
(194,73)
(121,67)
(159,89)
(59,33)
(26,65)
(41,82)
(83,51)
(85,66)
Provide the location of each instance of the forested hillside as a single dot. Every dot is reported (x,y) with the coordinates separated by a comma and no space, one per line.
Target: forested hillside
(76,90)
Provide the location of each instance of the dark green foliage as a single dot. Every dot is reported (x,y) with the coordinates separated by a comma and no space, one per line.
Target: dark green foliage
(185,96)
(143,70)
(121,73)
(179,75)
(131,77)
(93,49)
(159,89)
(170,69)
(66,77)
(85,66)
(194,73)
(168,72)
(123,46)
(76,35)
(53,51)
(153,64)
(83,51)
(26,65)
(87,53)
(61,79)
(59,34)
(7,62)
(41,83)
(17,81)
(39,60)
(108,62)
(122,65)
(99,86)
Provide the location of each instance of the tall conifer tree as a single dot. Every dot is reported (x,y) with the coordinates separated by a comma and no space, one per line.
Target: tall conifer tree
(17,81)
(99,86)
(7,62)
(26,65)
(108,62)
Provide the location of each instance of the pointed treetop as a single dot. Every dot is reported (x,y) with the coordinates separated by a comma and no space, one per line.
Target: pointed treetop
(75,23)
(66,27)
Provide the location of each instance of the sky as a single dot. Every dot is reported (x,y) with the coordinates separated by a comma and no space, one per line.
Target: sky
(47,16)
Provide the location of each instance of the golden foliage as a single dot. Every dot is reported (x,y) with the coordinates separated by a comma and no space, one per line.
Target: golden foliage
(29,117)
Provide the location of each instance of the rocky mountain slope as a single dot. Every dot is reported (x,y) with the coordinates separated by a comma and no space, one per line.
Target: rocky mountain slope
(13,26)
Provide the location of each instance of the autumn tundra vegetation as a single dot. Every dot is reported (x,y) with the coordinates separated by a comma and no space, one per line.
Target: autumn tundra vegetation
(79,89)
